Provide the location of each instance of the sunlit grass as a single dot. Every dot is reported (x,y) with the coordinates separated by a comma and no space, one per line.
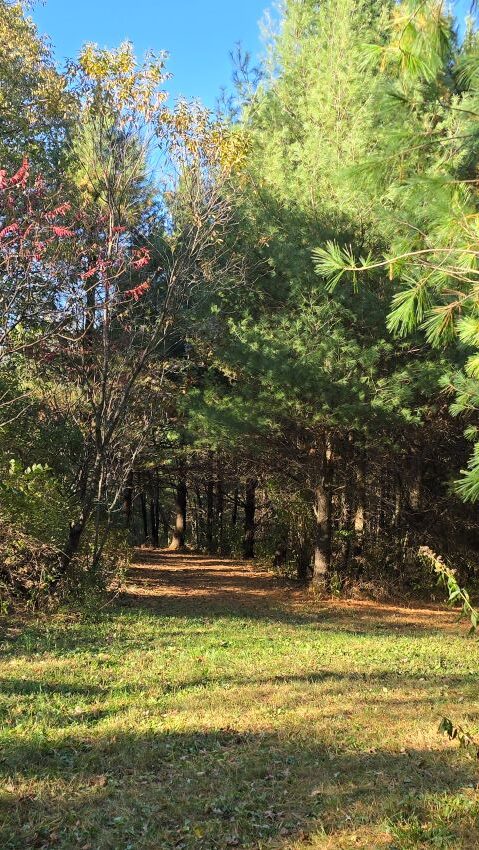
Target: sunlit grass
(136,730)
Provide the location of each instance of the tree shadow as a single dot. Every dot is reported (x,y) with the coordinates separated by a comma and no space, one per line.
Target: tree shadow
(192,586)
(211,789)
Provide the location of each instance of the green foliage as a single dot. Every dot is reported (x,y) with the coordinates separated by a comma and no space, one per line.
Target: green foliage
(456,595)
(457,733)
(430,194)
(32,499)
(35,107)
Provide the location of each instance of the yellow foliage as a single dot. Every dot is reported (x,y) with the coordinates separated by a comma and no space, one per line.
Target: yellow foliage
(127,85)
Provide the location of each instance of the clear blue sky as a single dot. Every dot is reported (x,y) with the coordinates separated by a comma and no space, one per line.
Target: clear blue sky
(198,34)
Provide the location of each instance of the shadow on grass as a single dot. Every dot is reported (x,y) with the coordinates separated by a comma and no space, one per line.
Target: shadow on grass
(324,617)
(338,681)
(188,585)
(210,789)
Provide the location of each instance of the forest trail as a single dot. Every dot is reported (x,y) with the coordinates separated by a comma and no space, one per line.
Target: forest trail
(159,573)
(187,581)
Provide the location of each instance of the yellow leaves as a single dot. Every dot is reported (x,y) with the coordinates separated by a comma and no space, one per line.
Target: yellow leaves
(128,85)
(231,147)
(100,63)
(196,136)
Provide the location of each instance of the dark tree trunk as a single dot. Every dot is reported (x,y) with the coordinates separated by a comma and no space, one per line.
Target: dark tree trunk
(128,499)
(249,518)
(161,514)
(220,506)
(209,516)
(303,561)
(155,538)
(199,514)
(322,514)
(144,517)
(179,531)
(322,538)
(348,507)
(416,485)
(71,547)
(347,526)
(234,509)
(359,509)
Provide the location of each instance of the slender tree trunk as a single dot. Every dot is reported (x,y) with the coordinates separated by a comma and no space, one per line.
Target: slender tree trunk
(234,509)
(199,518)
(347,526)
(144,517)
(155,539)
(179,531)
(322,538)
(348,505)
(161,514)
(71,547)
(303,561)
(220,506)
(209,516)
(322,515)
(249,518)
(128,499)
(195,525)
(78,526)
(416,485)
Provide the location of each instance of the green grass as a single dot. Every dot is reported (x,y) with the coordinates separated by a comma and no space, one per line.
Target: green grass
(202,727)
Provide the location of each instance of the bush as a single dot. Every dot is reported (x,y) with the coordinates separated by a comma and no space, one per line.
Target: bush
(28,568)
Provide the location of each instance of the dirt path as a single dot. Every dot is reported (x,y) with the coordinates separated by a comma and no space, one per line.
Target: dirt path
(184,582)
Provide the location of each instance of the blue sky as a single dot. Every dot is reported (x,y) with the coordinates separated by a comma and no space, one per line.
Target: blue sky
(198,34)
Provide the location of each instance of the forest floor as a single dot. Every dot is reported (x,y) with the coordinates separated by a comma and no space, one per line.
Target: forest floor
(212,706)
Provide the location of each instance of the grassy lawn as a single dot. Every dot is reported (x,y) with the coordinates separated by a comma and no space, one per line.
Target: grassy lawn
(203,723)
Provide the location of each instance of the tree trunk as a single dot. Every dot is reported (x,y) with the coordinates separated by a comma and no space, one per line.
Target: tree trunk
(179,531)
(220,506)
(347,525)
(416,485)
(359,510)
(210,547)
(234,509)
(322,515)
(161,514)
(322,537)
(128,499)
(249,518)
(199,523)
(144,517)
(71,547)
(155,539)
(303,561)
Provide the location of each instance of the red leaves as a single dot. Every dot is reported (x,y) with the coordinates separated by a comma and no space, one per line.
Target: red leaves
(141,258)
(60,210)
(14,227)
(21,176)
(62,231)
(91,271)
(137,291)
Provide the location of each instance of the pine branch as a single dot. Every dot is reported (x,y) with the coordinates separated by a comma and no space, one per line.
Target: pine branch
(447,577)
